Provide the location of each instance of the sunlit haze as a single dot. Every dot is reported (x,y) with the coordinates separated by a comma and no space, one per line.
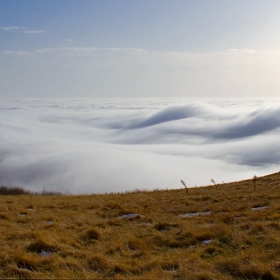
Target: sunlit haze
(143,48)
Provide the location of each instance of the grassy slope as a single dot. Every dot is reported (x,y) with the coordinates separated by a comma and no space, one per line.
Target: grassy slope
(87,240)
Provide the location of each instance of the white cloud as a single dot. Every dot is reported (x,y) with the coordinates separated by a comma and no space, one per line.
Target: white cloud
(172,55)
(86,51)
(250,55)
(94,145)
(76,52)
(9,28)
(34,31)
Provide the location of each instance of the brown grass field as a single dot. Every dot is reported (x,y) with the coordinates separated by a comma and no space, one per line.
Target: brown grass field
(231,231)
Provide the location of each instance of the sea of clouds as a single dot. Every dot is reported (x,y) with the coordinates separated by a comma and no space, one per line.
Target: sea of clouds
(114,145)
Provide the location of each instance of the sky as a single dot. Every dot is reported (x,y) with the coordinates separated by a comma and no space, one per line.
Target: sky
(115,95)
(147,48)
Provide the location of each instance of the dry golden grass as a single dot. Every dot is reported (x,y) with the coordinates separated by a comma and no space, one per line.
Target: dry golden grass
(94,237)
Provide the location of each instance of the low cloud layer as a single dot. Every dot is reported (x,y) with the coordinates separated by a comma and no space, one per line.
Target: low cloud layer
(86,146)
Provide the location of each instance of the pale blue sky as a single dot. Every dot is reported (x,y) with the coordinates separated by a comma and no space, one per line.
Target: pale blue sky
(91,48)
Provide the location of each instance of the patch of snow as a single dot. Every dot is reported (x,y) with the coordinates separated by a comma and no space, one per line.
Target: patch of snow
(259,208)
(192,214)
(206,241)
(45,253)
(145,224)
(130,216)
(24,270)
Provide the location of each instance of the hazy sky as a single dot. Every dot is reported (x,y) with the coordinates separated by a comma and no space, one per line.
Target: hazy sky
(130,48)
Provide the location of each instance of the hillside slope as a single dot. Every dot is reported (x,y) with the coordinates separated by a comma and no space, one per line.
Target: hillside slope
(227,231)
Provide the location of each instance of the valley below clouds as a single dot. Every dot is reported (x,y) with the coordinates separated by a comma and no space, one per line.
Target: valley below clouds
(113,145)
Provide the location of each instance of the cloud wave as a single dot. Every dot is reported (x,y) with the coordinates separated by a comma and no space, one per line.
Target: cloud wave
(204,121)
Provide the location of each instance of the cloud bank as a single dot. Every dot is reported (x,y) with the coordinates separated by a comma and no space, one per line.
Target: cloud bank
(112,145)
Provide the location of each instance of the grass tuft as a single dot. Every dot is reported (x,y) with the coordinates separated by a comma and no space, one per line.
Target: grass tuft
(40,245)
(92,235)
(98,263)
